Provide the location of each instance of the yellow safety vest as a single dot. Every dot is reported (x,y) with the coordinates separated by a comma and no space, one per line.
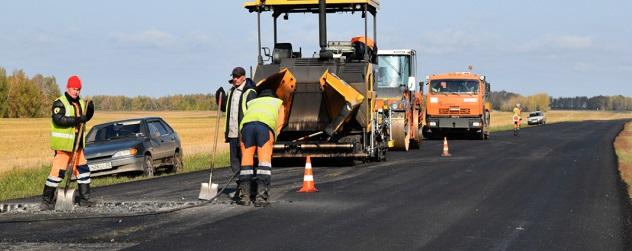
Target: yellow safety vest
(264,110)
(63,138)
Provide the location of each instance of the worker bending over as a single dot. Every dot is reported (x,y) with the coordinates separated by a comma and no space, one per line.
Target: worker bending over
(259,127)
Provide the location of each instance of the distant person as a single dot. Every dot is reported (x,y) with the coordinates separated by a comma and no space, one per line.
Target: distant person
(517,119)
(234,105)
(69,112)
(261,124)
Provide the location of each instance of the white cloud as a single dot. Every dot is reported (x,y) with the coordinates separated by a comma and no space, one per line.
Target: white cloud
(583,67)
(571,42)
(449,41)
(152,37)
(556,43)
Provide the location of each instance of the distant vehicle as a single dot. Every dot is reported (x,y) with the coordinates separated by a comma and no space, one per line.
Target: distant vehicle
(536,118)
(135,145)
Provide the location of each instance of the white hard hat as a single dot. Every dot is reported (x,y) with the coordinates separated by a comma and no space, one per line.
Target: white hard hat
(518,105)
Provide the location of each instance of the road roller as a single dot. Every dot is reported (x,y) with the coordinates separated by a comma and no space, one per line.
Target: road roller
(400,97)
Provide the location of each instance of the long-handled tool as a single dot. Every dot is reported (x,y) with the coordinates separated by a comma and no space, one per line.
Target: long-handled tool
(66,197)
(308,136)
(208,191)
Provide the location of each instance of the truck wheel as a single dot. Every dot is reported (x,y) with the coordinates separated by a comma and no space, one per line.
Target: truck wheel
(400,137)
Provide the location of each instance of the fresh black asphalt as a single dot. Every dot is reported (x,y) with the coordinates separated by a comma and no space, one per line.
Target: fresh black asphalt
(554,187)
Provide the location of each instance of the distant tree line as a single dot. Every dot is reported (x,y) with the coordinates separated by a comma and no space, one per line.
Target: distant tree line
(190,102)
(602,103)
(24,97)
(506,101)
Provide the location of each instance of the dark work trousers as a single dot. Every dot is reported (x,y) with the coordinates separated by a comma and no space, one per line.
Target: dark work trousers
(235,160)
(235,154)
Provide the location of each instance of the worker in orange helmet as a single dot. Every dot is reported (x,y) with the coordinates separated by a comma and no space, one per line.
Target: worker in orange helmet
(69,112)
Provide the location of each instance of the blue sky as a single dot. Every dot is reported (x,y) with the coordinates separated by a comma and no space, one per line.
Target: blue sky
(158,48)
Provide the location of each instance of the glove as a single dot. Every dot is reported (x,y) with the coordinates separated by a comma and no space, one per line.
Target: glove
(220,93)
(90,105)
(83,119)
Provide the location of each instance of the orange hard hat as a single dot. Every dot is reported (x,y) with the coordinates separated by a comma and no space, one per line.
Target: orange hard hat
(369,42)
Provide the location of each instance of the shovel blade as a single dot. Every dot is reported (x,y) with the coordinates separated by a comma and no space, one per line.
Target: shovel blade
(208,192)
(65,200)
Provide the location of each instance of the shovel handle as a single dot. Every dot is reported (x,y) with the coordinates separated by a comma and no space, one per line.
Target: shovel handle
(70,169)
(219,113)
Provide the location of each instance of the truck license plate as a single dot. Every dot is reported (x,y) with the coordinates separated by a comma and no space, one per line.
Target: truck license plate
(100,166)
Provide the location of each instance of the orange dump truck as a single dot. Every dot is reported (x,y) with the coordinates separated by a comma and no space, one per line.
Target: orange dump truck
(457,103)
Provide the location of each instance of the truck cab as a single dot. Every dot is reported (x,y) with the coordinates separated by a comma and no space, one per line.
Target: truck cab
(457,103)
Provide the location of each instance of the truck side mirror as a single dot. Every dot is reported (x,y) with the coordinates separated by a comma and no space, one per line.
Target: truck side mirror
(411,83)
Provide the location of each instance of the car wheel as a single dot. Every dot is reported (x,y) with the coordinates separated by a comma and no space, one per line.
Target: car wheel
(148,167)
(177,163)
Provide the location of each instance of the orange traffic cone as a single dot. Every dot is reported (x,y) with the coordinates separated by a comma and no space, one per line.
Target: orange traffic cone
(445,153)
(308,178)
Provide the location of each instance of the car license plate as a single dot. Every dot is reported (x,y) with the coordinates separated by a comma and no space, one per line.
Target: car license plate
(100,166)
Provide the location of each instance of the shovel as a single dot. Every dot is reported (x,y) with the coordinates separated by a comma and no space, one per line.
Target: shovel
(208,191)
(66,197)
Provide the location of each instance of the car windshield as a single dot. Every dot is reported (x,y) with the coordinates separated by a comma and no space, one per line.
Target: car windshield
(535,114)
(393,71)
(114,131)
(454,86)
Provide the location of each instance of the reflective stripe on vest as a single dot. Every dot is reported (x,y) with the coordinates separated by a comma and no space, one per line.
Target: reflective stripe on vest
(244,106)
(264,110)
(63,138)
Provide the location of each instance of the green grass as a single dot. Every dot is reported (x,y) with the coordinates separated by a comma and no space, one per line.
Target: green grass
(20,183)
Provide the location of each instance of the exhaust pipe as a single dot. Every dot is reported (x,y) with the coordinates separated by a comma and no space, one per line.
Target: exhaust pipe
(322,29)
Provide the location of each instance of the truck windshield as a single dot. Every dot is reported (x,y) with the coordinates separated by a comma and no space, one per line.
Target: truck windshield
(114,131)
(454,86)
(394,70)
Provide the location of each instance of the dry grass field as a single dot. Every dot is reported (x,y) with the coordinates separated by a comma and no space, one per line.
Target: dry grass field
(25,142)
(623,146)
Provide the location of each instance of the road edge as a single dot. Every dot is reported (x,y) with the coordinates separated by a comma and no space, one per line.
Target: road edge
(626,202)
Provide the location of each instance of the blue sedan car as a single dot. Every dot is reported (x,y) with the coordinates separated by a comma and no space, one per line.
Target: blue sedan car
(140,145)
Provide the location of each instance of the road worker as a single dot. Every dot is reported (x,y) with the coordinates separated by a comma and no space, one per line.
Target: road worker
(517,119)
(261,124)
(69,112)
(242,91)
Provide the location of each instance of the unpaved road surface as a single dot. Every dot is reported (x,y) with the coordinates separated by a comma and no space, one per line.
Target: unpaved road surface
(554,187)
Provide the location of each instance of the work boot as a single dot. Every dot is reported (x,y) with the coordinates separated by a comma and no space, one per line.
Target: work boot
(48,198)
(261,199)
(235,196)
(244,194)
(84,196)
